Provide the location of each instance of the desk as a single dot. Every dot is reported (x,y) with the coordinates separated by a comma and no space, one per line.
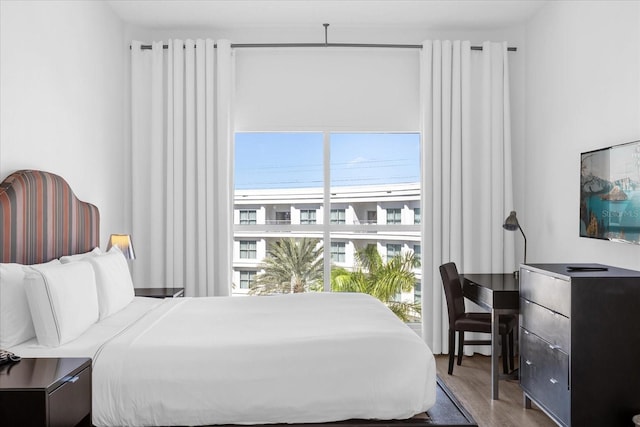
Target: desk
(500,294)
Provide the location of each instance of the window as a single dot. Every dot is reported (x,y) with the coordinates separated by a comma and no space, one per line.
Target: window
(338,216)
(397,297)
(393,249)
(394,216)
(248,217)
(372,217)
(416,216)
(417,293)
(307,216)
(247,278)
(283,217)
(338,252)
(417,252)
(333,188)
(248,249)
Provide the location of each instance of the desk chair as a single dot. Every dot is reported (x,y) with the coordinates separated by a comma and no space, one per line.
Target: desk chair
(461,321)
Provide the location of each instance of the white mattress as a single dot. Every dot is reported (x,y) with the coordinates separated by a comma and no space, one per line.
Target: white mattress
(298,358)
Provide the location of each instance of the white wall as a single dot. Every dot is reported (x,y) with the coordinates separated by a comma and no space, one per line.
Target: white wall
(62,73)
(582,93)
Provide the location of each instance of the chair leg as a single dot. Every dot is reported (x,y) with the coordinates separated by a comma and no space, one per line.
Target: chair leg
(512,356)
(452,347)
(505,357)
(460,346)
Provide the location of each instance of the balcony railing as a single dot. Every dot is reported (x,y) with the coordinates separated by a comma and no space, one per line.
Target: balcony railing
(365,221)
(288,222)
(278,221)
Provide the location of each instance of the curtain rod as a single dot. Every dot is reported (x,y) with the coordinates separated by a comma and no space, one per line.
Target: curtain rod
(326,44)
(376,45)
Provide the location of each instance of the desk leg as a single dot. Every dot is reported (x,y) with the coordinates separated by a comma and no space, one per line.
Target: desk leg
(495,353)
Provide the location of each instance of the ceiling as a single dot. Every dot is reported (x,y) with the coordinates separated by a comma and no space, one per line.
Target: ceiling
(426,14)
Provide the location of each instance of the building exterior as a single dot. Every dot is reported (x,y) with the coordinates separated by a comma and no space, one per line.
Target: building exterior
(387,216)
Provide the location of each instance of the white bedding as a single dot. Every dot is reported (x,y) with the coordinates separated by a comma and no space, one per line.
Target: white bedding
(87,344)
(226,360)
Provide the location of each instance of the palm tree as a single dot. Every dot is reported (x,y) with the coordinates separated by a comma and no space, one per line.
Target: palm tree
(381,280)
(291,266)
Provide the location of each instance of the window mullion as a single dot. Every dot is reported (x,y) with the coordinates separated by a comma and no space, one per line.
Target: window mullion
(326,213)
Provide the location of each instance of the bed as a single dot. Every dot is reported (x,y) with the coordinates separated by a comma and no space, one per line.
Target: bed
(305,358)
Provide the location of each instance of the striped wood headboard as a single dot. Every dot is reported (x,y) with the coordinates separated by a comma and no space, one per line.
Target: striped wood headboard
(41,219)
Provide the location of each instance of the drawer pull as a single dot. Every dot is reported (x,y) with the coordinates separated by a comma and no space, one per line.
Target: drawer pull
(71,379)
(553,381)
(528,362)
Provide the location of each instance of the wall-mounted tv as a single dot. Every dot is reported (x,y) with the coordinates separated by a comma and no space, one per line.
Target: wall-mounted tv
(610,193)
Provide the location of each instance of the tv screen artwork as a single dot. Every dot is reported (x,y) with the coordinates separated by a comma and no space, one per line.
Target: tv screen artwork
(610,193)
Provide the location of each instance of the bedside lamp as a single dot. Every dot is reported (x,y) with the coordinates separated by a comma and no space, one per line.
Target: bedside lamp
(123,242)
(511,224)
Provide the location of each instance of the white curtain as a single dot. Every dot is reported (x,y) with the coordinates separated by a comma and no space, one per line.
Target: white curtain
(466,183)
(182,165)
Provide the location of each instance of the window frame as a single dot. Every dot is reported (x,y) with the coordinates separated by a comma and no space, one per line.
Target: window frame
(249,250)
(248,221)
(397,249)
(326,228)
(250,281)
(308,220)
(394,216)
(341,216)
(339,252)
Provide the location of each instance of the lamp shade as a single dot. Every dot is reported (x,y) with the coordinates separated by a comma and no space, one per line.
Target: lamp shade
(511,223)
(123,242)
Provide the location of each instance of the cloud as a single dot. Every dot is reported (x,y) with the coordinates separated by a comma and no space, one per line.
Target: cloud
(358,160)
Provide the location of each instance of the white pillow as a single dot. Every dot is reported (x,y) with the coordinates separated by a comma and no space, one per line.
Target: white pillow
(113,280)
(16,325)
(63,301)
(77,257)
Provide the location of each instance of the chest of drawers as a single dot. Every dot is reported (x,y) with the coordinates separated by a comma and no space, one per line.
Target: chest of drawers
(580,342)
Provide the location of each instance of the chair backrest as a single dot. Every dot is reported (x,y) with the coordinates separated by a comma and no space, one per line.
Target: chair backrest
(452,291)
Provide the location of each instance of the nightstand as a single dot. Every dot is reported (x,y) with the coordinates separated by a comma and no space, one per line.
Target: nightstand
(159,292)
(46,392)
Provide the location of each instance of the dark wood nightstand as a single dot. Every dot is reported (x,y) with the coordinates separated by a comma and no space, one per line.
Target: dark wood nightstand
(46,392)
(159,292)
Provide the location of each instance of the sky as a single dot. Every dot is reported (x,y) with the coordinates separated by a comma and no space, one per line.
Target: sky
(294,160)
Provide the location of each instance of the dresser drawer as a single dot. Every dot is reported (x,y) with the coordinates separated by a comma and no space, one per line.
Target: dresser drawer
(544,375)
(71,402)
(546,291)
(549,325)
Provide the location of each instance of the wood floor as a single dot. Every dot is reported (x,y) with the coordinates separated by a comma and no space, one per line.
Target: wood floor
(471,384)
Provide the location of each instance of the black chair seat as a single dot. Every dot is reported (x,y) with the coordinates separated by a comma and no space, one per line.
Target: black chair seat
(462,321)
(481,322)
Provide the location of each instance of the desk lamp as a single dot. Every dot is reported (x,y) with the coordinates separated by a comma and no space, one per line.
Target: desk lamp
(511,224)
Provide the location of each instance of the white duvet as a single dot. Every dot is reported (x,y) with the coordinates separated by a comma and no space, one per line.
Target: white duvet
(298,358)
